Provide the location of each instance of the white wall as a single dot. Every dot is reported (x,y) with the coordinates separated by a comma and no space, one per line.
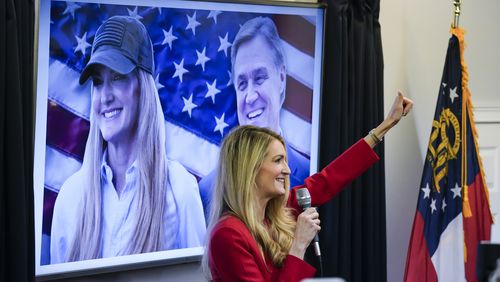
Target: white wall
(415,38)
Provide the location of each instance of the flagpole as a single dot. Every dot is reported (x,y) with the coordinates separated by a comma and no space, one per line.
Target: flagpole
(457,4)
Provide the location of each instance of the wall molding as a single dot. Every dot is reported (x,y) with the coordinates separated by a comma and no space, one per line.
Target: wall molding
(486,114)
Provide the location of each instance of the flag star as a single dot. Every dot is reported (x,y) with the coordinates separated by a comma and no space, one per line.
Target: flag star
(224,44)
(157,82)
(192,23)
(453,94)
(456,191)
(134,14)
(433,206)
(212,90)
(202,58)
(213,15)
(82,44)
(220,124)
(189,105)
(426,191)
(230,81)
(444,205)
(179,70)
(71,8)
(169,37)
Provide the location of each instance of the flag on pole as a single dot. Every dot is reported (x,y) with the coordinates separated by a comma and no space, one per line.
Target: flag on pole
(453,213)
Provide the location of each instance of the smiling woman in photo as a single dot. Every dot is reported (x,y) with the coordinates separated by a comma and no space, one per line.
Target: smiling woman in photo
(127,198)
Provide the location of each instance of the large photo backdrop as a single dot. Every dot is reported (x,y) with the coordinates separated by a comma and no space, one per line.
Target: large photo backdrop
(202,95)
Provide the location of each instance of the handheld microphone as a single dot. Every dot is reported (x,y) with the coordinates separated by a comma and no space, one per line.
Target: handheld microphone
(304,200)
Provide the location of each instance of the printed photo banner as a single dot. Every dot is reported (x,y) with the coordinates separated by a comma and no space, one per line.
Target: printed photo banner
(192,51)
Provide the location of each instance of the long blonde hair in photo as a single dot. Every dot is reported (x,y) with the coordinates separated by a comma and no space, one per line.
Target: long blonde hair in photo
(152,177)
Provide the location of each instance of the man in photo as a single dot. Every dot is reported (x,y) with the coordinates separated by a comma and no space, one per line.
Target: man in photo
(259,74)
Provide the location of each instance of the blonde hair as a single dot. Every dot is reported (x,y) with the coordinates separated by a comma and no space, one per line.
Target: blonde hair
(151,162)
(241,156)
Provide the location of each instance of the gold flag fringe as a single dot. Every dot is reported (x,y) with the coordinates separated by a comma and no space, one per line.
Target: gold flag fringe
(467,108)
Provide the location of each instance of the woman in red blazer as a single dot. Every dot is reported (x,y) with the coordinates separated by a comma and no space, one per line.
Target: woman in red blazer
(257,230)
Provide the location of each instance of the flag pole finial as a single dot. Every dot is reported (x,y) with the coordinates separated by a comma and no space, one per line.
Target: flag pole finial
(456,17)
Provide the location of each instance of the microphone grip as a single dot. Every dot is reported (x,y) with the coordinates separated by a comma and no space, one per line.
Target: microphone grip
(315,241)
(315,244)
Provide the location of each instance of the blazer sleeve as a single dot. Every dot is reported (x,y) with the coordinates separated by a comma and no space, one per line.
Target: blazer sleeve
(294,269)
(325,184)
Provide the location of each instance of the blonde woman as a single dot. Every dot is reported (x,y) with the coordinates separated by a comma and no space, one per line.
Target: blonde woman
(257,230)
(127,198)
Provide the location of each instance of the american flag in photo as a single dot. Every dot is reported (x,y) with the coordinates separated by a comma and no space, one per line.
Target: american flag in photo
(193,76)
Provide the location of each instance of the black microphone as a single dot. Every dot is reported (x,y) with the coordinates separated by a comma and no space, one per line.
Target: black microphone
(304,200)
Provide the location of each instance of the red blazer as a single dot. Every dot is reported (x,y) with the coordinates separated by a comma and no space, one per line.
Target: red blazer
(234,255)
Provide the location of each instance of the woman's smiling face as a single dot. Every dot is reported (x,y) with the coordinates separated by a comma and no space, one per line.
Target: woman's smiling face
(115,103)
(273,172)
